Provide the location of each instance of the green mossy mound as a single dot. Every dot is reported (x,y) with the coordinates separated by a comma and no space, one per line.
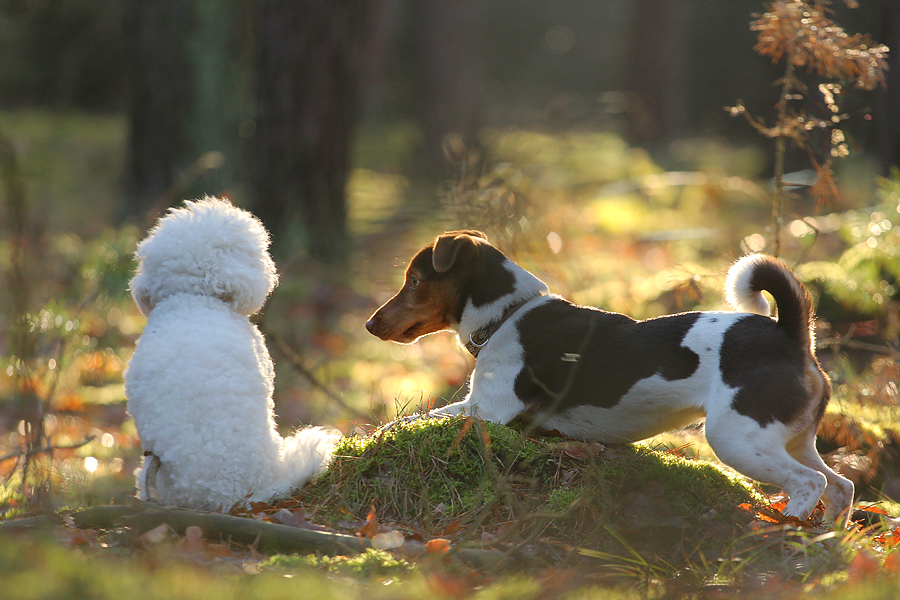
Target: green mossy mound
(475,481)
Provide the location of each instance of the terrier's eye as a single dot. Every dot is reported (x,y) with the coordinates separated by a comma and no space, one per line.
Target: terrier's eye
(413,282)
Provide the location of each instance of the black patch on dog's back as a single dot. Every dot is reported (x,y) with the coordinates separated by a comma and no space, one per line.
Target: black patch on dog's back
(575,355)
(765,365)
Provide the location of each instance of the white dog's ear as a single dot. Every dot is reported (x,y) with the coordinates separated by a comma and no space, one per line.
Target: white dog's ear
(141,294)
(246,283)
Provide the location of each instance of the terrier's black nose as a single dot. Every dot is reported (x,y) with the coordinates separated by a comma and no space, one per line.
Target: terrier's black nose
(370,325)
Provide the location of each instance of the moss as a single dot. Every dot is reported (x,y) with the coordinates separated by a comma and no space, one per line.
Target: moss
(411,469)
(372,563)
(459,478)
(562,499)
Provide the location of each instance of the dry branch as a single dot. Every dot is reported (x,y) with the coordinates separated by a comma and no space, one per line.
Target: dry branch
(266,537)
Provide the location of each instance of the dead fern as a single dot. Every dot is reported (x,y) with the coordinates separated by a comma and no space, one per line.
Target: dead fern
(803,34)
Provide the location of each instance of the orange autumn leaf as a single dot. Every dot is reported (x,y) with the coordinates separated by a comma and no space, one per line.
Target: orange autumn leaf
(863,566)
(437,546)
(370,528)
(892,562)
(467,426)
(449,585)
(889,539)
(452,527)
(873,508)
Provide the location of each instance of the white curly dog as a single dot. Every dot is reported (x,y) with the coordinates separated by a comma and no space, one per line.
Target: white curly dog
(200,382)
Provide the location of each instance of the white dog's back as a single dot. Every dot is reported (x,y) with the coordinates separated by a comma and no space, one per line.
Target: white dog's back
(200,382)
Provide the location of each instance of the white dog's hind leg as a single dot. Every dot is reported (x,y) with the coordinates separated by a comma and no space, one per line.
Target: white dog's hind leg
(140,477)
(145,478)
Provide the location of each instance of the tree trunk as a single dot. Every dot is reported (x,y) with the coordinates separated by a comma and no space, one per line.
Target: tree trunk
(657,70)
(450,38)
(890,94)
(307,82)
(162,87)
(186,100)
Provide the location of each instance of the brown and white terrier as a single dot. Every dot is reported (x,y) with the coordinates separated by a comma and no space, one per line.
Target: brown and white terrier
(602,376)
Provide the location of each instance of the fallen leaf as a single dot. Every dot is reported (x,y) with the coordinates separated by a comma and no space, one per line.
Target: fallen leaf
(449,529)
(581,451)
(437,546)
(873,508)
(157,535)
(863,566)
(889,539)
(892,562)
(467,426)
(258,507)
(83,537)
(386,541)
(192,543)
(576,451)
(370,529)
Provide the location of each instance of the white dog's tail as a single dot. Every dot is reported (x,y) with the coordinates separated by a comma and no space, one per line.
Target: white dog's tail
(305,454)
(755,273)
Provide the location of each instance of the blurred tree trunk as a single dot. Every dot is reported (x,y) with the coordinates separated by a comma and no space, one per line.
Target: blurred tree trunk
(186,103)
(658,69)
(890,109)
(162,87)
(450,37)
(307,88)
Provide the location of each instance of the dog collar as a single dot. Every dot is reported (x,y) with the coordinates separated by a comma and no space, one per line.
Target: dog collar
(480,337)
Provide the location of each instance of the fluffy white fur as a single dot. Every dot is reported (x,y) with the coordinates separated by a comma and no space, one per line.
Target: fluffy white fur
(738,292)
(200,382)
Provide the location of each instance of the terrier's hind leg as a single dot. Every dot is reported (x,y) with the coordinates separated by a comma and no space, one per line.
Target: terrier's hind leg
(838,494)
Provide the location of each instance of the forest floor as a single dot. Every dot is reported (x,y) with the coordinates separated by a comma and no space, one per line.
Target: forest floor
(603,225)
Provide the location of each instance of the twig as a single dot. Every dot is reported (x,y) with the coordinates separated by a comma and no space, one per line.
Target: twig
(780,147)
(857,345)
(296,362)
(28,402)
(48,449)
(273,537)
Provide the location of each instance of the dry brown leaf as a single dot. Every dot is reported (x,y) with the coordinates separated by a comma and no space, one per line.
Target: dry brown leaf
(580,451)
(451,527)
(863,566)
(370,528)
(82,537)
(467,426)
(892,562)
(157,535)
(192,543)
(437,546)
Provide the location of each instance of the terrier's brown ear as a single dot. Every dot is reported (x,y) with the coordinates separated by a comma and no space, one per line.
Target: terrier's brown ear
(447,247)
